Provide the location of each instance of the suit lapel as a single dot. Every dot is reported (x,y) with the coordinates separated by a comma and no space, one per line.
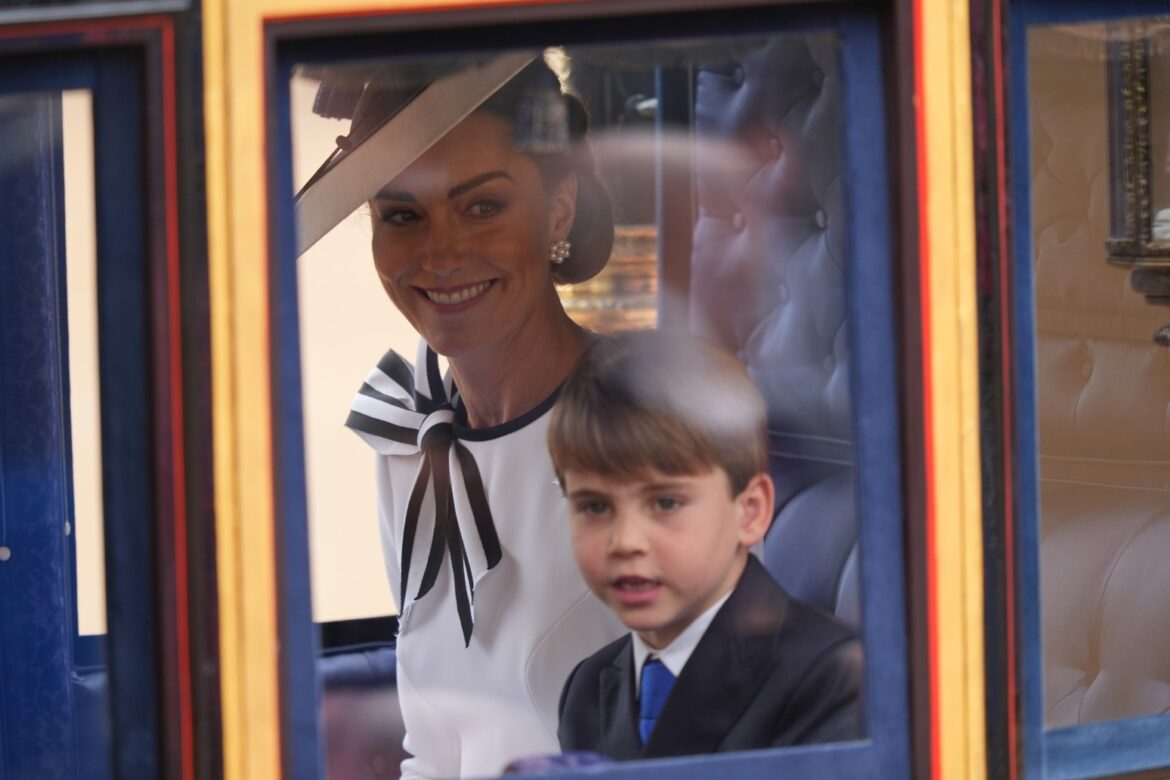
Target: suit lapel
(618,707)
(725,671)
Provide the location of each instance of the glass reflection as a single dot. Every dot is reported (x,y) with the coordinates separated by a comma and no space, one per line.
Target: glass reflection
(1103,386)
(721,165)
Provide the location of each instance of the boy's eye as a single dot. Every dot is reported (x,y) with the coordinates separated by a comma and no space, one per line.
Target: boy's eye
(666,503)
(592,508)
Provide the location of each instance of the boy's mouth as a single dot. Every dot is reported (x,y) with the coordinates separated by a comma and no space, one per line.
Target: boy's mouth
(633,583)
(633,590)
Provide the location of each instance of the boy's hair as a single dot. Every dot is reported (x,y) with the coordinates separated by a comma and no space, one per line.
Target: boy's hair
(659,400)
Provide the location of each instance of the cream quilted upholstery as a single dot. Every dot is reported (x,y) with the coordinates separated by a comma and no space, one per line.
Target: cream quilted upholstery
(1104,418)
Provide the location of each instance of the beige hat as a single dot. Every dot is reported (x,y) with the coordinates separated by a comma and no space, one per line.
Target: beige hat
(369,157)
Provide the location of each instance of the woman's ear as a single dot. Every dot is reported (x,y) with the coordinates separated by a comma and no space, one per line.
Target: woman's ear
(562,208)
(754,504)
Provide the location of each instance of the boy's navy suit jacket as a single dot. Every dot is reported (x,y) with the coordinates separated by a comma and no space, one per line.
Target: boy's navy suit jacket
(769,671)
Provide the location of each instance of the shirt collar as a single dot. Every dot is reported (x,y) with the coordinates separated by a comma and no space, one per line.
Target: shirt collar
(675,655)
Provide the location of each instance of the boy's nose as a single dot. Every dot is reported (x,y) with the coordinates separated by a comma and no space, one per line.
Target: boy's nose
(626,536)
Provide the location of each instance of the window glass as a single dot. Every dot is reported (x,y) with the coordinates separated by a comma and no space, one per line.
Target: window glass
(1098,129)
(721,161)
(344,320)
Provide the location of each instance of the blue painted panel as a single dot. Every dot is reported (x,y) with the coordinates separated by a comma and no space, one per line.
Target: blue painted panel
(1027,497)
(128,457)
(105,720)
(300,687)
(1100,749)
(875,397)
(36,707)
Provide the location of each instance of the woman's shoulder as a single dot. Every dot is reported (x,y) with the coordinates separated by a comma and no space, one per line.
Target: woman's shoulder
(386,410)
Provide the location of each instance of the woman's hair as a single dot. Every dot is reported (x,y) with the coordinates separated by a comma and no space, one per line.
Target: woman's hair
(659,401)
(551,126)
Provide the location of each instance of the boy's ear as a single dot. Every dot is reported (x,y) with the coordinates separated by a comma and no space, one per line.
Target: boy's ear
(755,504)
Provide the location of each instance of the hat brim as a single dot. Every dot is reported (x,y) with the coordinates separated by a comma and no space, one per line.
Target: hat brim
(353,177)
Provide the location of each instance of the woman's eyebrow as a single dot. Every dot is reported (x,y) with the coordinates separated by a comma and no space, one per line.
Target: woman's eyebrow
(392,195)
(475,181)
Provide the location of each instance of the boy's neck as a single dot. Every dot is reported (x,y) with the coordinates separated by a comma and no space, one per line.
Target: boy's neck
(658,642)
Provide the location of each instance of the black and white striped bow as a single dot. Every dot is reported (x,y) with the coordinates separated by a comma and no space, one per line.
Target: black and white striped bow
(399,411)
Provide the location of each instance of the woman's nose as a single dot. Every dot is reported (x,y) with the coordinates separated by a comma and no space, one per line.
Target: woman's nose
(446,251)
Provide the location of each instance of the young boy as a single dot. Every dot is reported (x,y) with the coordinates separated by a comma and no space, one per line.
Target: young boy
(660,445)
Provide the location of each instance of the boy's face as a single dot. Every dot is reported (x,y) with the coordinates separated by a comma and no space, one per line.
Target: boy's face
(659,551)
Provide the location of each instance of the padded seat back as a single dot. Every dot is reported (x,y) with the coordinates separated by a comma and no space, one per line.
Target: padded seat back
(1103,415)
(768,283)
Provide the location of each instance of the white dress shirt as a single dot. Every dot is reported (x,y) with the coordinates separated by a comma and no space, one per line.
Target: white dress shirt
(674,656)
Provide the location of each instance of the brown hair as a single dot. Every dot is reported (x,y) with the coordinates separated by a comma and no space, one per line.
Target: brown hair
(659,400)
(523,101)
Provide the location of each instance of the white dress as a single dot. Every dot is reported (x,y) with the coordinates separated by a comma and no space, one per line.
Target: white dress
(478,681)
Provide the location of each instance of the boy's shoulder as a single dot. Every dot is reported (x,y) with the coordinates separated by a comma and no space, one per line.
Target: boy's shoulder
(588,671)
(580,714)
(761,612)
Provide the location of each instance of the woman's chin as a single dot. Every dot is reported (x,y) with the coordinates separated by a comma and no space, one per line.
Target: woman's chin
(459,344)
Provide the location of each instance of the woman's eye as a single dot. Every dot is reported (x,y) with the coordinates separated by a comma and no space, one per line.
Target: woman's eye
(399,217)
(485,207)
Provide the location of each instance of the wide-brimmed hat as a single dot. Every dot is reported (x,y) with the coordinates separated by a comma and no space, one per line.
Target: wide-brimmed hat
(385,139)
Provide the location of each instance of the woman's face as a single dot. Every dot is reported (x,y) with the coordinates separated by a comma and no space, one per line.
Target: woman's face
(461,239)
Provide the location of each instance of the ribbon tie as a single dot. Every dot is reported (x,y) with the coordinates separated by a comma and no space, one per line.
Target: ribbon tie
(400,412)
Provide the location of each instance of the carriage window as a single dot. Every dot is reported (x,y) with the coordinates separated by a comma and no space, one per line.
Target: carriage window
(511,209)
(1102,374)
(1094,260)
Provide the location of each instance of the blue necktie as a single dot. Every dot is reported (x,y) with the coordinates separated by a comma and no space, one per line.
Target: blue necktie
(656,684)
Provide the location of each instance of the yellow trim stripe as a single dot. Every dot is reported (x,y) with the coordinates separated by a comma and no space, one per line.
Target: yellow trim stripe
(235,116)
(952,323)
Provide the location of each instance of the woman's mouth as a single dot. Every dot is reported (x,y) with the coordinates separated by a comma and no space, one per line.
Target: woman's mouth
(449,296)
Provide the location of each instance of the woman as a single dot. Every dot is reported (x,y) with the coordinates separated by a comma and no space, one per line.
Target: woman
(468,242)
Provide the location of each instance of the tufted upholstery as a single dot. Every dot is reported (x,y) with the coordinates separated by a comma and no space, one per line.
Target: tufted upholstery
(768,283)
(1103,415)
(360,719)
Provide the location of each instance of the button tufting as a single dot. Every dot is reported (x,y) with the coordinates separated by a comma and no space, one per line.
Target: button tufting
(739,76)
(830,362)
(818,77)
(738,222)
(776,146)
(822,219)
(1086,369)
(782,293)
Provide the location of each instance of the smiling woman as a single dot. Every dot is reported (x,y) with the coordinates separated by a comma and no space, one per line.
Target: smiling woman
(469,239)
(461,241)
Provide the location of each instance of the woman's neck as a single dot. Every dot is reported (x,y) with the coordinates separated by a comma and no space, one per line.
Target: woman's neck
(502,383)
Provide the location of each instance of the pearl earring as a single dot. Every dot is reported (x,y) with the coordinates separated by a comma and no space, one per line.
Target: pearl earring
(559,252)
